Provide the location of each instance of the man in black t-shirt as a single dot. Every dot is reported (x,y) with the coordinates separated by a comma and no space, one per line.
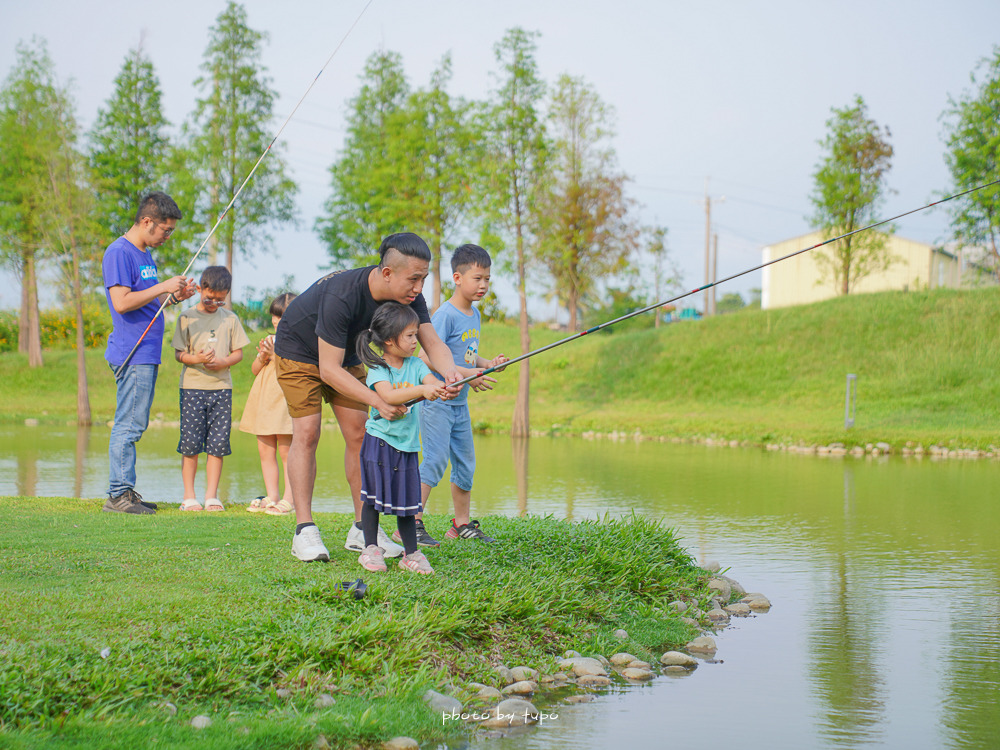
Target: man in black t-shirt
(315,358)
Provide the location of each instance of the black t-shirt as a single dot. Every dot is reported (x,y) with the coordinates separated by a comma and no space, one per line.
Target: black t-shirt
(336,309)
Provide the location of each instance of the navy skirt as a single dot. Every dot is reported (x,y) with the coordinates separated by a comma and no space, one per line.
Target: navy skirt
(390,478)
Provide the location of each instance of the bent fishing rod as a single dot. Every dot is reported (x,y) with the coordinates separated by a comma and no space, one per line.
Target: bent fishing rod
(640,311)
(239,190)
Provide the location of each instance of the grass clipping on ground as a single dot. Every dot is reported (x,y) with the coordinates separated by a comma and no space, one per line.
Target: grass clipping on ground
(106,618)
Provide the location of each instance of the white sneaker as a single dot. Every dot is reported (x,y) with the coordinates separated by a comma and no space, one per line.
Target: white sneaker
(308,546)
(390,548)
(356,542)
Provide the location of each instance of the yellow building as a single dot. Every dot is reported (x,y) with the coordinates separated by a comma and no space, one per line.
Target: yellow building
(796,281)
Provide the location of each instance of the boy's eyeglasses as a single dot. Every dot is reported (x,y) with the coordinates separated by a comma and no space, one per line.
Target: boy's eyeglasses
(166,232)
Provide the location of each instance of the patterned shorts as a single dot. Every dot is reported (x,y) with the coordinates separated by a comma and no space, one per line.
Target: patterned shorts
(206,421)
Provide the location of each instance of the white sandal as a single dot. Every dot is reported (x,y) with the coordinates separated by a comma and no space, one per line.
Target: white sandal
(281,508)
(258,504)
(190,504)
(214,504)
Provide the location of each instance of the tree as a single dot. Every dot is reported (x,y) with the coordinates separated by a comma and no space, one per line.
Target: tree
(358,210)
(437,146)
(31,103)
(72,232)
(850,187)
(973,157)
(585,233)
(518,151)
(129,147)
(665,275)
(408,164)
(229,133)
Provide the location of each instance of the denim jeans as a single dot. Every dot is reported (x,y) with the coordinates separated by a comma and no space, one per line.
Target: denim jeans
(446,432)
(135,398)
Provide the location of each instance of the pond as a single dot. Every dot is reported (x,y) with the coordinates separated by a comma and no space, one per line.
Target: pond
(883,574)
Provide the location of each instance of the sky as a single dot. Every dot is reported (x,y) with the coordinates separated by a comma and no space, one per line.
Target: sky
(728,98)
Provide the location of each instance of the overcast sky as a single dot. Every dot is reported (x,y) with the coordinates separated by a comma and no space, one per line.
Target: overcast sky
(735,93)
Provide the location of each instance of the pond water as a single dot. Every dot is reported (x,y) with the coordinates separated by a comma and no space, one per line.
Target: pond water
(883,574)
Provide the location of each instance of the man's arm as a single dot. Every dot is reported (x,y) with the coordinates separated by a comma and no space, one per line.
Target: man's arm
(124,299)
(331,370)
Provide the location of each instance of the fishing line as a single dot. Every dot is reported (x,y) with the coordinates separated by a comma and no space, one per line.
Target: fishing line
(245,181)
(640,311)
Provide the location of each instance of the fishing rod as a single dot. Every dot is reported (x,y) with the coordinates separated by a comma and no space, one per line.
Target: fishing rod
(243,184)
(646,309)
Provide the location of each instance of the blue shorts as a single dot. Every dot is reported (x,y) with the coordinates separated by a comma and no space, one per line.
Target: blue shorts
(206,421)
(446,432)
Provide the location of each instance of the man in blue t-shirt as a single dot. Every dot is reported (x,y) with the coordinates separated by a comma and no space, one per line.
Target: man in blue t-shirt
(134,296)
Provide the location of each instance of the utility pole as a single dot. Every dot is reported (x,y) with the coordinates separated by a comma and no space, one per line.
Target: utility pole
(715,266)
(708,251)
(710,266)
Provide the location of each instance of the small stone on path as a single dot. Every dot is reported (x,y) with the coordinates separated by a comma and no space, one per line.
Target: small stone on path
(631,673)
(622,659)
(200,722)
(702,644)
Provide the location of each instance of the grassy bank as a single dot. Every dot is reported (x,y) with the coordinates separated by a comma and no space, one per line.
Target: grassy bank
(107,617)
(924,360)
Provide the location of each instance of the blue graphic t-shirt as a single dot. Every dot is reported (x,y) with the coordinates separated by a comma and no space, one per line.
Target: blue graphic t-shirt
(402,434)
(126,265)
(461,333)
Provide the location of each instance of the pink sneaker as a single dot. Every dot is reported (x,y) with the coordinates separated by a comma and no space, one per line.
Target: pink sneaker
(371,559)
(416,563)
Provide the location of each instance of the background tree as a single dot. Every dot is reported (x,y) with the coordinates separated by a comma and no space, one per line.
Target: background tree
(850,188)
(361,207)
(666,277)
(31,105)
(128,144)
(973,157)
(518,151)
(436,145)
(231,129)
(73,234)
(585,232)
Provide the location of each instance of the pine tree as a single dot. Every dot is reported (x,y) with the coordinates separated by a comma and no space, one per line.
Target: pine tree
(128,144)
(518,151)
(229,131)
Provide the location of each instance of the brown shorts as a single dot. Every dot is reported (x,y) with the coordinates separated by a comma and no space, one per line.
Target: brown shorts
(305,391)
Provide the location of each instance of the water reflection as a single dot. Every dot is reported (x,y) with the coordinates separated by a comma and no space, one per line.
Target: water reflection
(884,574)
(843,646)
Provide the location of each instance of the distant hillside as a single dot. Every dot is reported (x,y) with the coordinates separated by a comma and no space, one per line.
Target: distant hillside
(928,367)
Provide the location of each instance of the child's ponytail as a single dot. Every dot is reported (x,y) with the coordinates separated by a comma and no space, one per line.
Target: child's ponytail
(365,352)
(388,322)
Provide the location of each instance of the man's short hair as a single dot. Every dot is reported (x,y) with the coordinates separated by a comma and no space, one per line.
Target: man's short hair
(469,255)
(158,207)
(406,243)
(217,278)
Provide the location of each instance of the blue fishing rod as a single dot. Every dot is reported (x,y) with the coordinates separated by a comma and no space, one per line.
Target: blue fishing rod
(236,195)
(648,308)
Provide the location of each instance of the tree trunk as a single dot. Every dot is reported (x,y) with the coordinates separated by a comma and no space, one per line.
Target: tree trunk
(34,332)
(520,425)
(571,302)
(519,448)
(436,270)
(22,319)
(83,416)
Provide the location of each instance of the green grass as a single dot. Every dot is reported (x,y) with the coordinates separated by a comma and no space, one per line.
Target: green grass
(212,614)
(925,364)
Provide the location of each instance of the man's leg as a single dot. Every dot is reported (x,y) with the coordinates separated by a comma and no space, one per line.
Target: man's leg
(352,427)
(300,469)
(135,386)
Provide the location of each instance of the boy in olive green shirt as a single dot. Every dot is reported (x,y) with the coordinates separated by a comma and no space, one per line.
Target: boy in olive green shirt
(208,340)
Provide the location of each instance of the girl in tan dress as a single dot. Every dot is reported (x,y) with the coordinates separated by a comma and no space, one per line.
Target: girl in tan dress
(266,416)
